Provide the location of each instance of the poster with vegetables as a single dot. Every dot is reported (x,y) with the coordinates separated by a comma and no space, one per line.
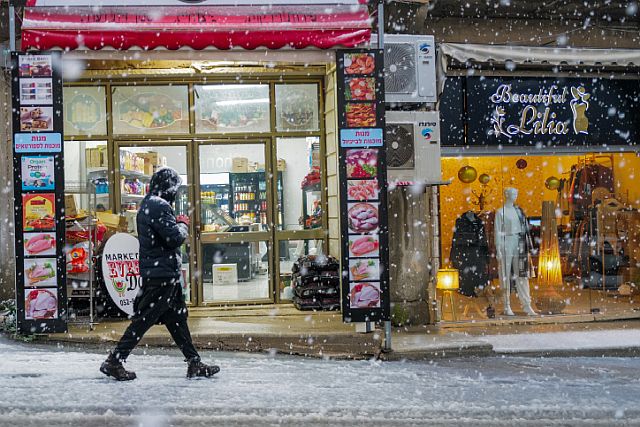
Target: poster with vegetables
(38,189)
(363,186)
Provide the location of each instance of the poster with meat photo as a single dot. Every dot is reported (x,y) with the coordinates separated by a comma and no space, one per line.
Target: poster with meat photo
(362,162)
(364,295)
(363,217)
(39,244)
(360,89)
(364,246)
(362,190)
(41,304)
(361,115)
(359,63)
(364,269)
(40,272)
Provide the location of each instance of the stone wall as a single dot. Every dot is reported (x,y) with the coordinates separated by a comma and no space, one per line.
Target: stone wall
(7,258)
(411,253)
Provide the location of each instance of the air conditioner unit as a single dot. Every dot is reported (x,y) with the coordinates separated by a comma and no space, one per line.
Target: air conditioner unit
(413,147)
(409,67)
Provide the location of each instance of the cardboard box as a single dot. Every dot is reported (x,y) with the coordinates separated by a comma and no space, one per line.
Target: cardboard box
(240,165)
(225,274)
(112,221)
(70,206)
(104,158)
(149,168)
(152,157)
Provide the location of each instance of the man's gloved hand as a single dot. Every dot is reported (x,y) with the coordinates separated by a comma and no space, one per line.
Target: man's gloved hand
(183,219)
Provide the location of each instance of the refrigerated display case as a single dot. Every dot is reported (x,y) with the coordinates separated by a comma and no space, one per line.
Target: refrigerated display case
(249,197)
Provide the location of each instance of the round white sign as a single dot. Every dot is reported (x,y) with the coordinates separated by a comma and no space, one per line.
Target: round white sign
(121,270)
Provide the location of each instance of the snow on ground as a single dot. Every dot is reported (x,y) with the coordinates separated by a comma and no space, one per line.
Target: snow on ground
(574,340)
(52,386)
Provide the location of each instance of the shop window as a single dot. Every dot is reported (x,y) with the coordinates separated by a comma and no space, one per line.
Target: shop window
(86,175)
(297,107)
(85,111)
(232,108)
(290,251)
(233,188)
(300,198)
(142,110)
(583,217)
(235,271)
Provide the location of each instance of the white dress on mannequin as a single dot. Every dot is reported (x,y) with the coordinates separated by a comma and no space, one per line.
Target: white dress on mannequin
(508,232)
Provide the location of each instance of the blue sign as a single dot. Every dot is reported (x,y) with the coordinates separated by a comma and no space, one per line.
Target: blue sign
(361,138)
(38,143)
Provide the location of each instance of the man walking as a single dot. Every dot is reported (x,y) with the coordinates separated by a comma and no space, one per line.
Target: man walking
(160,299)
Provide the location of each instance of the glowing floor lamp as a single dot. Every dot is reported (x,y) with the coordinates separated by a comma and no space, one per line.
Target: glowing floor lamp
(448,281)
(547,298)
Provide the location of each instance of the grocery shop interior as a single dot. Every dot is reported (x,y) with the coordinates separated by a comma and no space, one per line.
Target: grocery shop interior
(583,211)
(249,144)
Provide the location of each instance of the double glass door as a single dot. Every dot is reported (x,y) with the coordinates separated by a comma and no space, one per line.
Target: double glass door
(248,222)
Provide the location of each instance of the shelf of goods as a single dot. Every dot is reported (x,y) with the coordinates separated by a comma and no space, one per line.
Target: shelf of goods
(83,235)
(249,195)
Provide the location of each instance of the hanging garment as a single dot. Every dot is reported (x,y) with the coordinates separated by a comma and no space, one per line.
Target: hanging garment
(563,194)
(607,223)
(590,177)
(488,219)
(470,253)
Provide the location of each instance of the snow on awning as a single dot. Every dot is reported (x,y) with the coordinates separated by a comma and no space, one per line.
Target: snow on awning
(540,55)
(175,24)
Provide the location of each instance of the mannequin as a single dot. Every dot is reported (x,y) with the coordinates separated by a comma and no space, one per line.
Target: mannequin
(512,239)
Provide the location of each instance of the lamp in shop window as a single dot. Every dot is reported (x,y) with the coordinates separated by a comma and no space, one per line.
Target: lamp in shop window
(448,281)
(547,298)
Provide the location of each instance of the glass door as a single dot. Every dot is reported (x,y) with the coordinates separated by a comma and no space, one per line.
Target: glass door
(135,163)
(234,221)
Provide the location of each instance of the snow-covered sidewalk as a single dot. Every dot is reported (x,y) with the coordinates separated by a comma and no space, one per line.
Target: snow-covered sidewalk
(577,341)
(49,385)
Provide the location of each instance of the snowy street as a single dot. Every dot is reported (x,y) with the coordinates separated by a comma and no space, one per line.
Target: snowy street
(64,387)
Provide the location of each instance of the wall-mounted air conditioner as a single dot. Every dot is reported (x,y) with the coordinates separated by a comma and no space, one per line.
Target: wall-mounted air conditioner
(413,147)
(409,68)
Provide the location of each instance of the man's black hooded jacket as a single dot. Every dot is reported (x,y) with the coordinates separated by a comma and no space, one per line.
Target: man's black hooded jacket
(159,234)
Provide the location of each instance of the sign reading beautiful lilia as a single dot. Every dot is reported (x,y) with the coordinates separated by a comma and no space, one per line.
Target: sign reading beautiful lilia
(540,115)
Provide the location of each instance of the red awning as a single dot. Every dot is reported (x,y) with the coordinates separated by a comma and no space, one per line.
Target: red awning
(48,24)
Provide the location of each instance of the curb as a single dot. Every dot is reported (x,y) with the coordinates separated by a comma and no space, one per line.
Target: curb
(579,352)
(441,352)
(349,347)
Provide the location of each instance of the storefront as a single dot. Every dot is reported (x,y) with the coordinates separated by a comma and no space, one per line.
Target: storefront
(566,142)
(252,133)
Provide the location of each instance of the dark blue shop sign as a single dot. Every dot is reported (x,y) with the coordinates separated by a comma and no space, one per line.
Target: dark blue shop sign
(551,112)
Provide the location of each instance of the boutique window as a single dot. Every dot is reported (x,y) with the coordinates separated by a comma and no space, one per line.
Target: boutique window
(533,235)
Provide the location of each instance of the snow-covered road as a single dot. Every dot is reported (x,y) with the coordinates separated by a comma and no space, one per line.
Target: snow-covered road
(49,386)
